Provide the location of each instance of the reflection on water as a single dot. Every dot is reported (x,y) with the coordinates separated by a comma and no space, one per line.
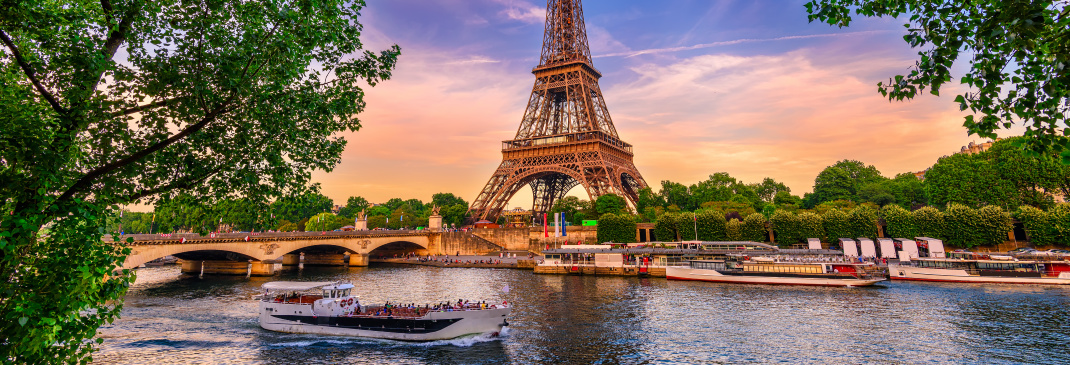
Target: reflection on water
(581,319)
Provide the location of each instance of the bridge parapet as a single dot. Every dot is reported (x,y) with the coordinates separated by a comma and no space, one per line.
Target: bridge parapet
(168,238)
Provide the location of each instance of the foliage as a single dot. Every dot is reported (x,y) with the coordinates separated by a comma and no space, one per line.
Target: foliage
(649,199)
(301,206)
(734,230)
(785,198)
(611,203)
(786,227)
(455,214)
(753,228)
(769,189)
(323,222)
(685,226)
(742,209)
(665,228)
(1017,57)
(811,226)
(286,226)
(837,224)
(842,181)
(353,206)
(842,205)
(617,228)
(993,225)
(112,103)
(929,222)
(899,221)
(1059,218)
(863,221)
(711,225)
(961,225)
(1037,224)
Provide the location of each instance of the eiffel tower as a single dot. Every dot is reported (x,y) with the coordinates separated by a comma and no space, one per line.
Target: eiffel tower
(566,137)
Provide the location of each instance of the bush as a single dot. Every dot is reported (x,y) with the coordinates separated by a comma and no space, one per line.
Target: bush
(961,225)
(836,225)
(900,221)
(712,225)
(811,226)
(617,228)
(685,226)
(863,222)
(929,222)
(786,227)
(665,227)
(1037,224)
(753,228)
(734,230)
(1059,218)
(993,225)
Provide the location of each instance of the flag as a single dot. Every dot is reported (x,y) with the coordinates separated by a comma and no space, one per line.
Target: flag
(557,224)
(545,232)
(564,222)
(402,217)
(120,214)
(153,217)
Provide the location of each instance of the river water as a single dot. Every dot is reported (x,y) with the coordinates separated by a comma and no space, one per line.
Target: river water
(169,318)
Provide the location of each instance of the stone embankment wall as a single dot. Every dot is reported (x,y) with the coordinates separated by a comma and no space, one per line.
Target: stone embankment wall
(657,272)
(532,239)
(466,244)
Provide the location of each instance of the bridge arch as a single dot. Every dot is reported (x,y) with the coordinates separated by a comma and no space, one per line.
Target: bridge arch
(141,254)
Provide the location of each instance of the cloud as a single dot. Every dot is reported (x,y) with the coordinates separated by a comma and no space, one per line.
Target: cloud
(732,42)
(473,60)
(782,116)
(522,11)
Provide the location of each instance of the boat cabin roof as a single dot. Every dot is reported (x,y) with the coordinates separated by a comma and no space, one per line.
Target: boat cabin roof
(297,285)
(339,286)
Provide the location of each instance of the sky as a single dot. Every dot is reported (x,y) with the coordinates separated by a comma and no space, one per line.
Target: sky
(745,87)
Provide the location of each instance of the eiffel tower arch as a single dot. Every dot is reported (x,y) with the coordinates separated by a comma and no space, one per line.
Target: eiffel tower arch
(566,138)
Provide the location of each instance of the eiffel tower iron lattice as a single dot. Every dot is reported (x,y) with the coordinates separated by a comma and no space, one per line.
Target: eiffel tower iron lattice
(566,137)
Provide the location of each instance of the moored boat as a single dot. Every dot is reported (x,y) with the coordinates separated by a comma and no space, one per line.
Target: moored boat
(983,268)
(764,270)
(329,309)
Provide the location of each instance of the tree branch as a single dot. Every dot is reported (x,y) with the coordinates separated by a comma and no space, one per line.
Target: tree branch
(118,35)
(106,6)
(87,180)
(28,70)
(186,183)
(141,108)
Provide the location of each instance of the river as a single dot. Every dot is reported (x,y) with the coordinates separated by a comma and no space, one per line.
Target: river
(169,318)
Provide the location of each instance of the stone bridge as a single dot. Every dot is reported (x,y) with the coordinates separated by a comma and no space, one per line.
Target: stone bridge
(265,253)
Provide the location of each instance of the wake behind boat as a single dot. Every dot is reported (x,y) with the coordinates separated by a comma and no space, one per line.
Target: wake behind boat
(765,270)
(326,308)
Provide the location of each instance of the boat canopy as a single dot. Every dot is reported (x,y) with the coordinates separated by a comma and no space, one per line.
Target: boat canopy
(296,285)
(342,286)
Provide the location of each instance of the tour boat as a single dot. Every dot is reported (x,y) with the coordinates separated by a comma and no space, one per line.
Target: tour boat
(980,268)
(765,270)
(326,308)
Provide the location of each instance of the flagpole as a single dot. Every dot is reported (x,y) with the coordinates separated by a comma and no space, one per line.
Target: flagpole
(696,225)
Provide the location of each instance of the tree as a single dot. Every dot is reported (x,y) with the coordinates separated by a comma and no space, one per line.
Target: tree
(215,99)
(786,227)
(718,187)
(970,180)
(447,200)
(1018,66)
(753,228)
(611,203)
(900,222)
(354,205)
(616,228)
(326,221)
(677,194)
(302,206)
(665,227)
(837,224)
(769,189)
(712,225)
(649,199)
(575,209)
(863,221)
(842,181)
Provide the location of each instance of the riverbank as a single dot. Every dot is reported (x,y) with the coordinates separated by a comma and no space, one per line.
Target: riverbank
(484,262)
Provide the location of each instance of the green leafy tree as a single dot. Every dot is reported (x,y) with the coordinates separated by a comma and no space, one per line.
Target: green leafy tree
(712,225)
(900,222)
(743,209)
(769,189)
(842,205)
(323,222)
(842,181)
(302,206)
(616,228)
(611,203)
(215,99)
(837,225)
(961,226)
(665,227)
(929,222)
(1016,53)
(863,222)
(354,205)
(378,221)
(786,227)
(649,199)
(1037,224)
(685,226)
(1059,218)
(783,198)
(576,209)
(734,229)
(455,215)
(678,195)
(811,225)
(718,187)
(753,228)
(993,225)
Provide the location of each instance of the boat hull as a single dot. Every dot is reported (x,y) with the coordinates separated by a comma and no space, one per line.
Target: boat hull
(683,273)
(961,276)
(434,326)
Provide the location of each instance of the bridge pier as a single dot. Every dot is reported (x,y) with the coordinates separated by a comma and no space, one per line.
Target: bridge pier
(244,268)
(358,259)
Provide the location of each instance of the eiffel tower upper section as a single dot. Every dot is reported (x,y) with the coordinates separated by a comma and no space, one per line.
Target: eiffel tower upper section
(566,98)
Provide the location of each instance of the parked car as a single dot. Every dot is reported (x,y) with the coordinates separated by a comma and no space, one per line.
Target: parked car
(1024,250)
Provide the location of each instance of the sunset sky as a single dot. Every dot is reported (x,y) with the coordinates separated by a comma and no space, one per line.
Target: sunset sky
(697,86)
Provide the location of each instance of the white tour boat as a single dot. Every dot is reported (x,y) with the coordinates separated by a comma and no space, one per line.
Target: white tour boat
(981,268)
(765,270)
(326,308)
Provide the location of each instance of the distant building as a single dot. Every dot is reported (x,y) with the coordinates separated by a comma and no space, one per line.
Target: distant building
(517,217)
(970,149)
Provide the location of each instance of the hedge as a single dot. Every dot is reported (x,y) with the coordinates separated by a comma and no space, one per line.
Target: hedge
(665,227)
(900,222)
(753,228)
(786,227)
(617,228)
(863,222)
(712,225)
(836,225)
(960,226)
(811,225)
(685,226)
(1037,224)
(734,229)
(993,225)
(929,222)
